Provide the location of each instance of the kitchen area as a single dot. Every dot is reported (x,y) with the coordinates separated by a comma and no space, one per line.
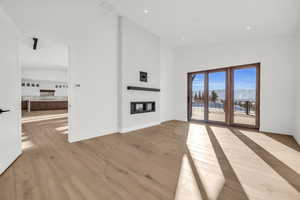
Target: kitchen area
(44,83)
(41,95)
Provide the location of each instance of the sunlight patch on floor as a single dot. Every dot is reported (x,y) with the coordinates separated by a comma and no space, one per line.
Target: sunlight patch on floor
(65,132)
(245,163)
(62,128)
(205,160)
(282,152)
(24,138)
(26,145)
(42,118)
(187,187)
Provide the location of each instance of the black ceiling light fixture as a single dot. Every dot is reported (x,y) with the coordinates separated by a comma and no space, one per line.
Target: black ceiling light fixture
(35,42)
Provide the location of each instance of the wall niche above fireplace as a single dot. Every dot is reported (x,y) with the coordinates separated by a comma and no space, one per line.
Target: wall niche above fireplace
(142,107)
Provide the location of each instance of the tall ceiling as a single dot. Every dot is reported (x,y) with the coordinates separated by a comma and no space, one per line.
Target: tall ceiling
(180,22)
(212,21)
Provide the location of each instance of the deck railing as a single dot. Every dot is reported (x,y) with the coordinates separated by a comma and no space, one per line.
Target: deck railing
(247,107)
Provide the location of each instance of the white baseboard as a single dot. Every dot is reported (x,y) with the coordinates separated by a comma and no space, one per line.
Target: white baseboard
(126,130)
(281,132)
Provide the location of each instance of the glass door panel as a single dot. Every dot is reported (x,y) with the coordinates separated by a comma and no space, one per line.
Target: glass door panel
(244,100)
(217,96)
(198,96)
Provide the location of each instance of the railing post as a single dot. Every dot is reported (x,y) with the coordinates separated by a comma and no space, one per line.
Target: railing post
(247,108)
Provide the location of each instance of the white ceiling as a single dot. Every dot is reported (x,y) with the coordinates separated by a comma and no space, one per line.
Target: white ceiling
(48,55)
(184,22)
(212,21)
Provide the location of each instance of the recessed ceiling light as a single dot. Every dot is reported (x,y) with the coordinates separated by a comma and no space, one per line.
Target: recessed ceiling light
(182,38)
(146,11)
(248,28)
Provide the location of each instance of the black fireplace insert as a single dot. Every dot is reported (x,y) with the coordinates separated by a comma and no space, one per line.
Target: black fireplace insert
(142,107)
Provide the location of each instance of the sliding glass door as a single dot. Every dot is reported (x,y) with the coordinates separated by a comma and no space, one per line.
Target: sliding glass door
(217,96)
(197,96)
(245,93)
(225,96)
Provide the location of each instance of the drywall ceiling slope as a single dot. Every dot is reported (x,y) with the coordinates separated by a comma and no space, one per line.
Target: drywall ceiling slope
(212,21)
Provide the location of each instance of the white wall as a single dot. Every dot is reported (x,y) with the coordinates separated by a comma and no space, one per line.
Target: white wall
(297,118)
(92,39)
(166,82)
(277,76)
(10,88)
(48,54)
(140,51)
(59,75)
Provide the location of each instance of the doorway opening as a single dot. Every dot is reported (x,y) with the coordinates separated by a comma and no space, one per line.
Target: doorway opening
(44,73)
(227,96)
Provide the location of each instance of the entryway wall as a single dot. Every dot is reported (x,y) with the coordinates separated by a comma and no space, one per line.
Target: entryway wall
(10,88)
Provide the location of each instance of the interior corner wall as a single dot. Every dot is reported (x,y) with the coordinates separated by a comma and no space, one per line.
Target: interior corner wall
(277,76)
(297,62)
(140,51)
(166,82)
(92,39)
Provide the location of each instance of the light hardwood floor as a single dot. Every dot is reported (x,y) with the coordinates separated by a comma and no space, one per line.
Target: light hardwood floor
(175,160)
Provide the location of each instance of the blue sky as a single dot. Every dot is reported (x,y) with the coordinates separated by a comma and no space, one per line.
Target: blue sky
(244,79)
(217,81)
